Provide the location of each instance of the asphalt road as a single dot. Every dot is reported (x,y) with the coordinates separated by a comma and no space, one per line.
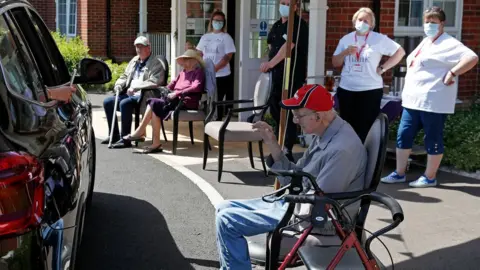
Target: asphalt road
(145,215)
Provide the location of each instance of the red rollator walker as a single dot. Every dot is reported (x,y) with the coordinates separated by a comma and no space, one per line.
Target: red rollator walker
(352,253)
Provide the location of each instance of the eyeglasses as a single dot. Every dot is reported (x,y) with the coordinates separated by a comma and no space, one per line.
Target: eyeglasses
(298,117)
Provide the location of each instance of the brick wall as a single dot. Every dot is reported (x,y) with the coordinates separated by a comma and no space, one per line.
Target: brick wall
(339,23)
(124,27)
(159,16)
(47,10)
(91,21)
(469,83)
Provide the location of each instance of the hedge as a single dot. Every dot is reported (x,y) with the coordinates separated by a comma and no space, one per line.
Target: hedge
(73,50)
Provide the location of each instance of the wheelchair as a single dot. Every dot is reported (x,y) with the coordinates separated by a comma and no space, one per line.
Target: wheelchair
(352,253)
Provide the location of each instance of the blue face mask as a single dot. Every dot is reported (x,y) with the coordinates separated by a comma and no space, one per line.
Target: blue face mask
(362,27)
(431,29)
(217,25)
(284,10)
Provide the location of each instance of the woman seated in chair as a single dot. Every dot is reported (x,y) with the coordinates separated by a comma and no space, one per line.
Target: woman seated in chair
(187,87)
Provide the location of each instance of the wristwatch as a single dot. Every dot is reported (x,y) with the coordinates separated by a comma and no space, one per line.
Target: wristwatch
(383,69)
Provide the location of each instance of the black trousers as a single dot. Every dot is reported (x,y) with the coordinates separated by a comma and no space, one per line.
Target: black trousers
(224,90)
(274,105)
(359,109)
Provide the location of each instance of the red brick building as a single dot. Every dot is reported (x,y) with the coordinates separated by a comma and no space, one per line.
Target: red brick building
(109,27)
(89,20)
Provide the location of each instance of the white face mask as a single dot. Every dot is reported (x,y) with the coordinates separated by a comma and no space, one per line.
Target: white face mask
(431,29)
(362,27)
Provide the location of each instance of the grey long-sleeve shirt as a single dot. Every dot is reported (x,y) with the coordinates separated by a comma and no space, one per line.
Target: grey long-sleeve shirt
(337,159)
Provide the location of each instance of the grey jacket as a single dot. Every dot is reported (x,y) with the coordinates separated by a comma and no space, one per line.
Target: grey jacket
(154,75)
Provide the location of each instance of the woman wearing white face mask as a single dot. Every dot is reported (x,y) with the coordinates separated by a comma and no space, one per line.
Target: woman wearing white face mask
(361,86)
(219,47)
(429,95)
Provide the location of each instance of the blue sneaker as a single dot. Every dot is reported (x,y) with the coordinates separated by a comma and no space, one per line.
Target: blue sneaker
(393,178)
(422,182)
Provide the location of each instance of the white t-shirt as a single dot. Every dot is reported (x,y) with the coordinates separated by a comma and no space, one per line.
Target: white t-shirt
(215,46)
(137,80)
(424,89)
(361,74)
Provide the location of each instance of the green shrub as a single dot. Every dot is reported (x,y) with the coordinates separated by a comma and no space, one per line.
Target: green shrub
(72,49)
(461,139)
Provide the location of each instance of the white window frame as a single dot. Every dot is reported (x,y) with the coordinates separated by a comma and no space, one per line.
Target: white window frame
(455,31)
(67,14)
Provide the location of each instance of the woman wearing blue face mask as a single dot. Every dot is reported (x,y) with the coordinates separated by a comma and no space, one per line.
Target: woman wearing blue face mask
(429,95)
(219,47)
(361,86)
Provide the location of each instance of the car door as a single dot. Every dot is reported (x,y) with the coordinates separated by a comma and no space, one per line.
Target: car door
(67,152)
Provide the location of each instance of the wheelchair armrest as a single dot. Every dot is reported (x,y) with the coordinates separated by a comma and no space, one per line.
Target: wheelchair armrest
(231,102)
(249,109)
(297,174)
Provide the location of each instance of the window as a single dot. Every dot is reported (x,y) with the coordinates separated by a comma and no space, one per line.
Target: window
(408,28)
(261,10)
(19,71)
(67,17)
(19,75)
(198,18)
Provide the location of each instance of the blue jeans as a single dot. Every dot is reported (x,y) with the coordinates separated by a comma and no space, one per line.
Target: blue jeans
(239,218)
(414,120)
(126,107)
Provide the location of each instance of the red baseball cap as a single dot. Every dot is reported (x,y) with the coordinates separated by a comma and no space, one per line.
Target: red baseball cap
(311,96)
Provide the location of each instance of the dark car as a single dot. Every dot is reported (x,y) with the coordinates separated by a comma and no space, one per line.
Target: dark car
(47,147)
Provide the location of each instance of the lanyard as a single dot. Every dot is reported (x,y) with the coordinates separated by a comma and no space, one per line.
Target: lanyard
(361,48)
(420,50)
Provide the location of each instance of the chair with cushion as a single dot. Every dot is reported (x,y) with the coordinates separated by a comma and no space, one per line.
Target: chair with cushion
(375,144)
(181,114)
(145,94)
(227,131)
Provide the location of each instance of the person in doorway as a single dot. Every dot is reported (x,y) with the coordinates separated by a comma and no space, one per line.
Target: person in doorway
(187,87)
(218,46)
(429,95)
(336,157)
(361,86)
(276,40)
(142,72)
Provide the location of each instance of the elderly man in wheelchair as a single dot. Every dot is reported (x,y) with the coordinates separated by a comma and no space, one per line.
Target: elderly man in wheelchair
(334,163)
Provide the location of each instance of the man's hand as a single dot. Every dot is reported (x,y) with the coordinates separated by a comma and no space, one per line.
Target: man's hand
(449,79)
(266,131)
(130,92)
(172,95)
(265,67)
(117,88)
(61,93)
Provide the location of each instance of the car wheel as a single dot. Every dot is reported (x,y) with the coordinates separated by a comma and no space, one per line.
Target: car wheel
(91,169)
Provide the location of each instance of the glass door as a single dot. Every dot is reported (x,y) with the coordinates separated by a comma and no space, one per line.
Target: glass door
(198,18)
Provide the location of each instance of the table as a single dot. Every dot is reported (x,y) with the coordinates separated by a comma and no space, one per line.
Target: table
(390,105)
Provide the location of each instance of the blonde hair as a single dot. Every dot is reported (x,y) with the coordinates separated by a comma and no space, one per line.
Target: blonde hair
(366,10)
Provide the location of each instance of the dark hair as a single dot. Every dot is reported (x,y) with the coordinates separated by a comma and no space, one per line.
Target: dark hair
(435,12)
(217,13)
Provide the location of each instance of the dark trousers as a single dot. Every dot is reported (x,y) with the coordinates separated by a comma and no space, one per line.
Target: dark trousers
(275,109)
(360,109)
(126,106)
(224,90)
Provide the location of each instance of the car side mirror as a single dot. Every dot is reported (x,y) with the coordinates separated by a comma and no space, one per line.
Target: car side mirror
(93,71)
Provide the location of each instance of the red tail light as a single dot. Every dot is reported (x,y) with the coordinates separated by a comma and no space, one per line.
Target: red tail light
(21,192)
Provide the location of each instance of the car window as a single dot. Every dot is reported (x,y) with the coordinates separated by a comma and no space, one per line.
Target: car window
(49,43)
(19,71)
(44,50)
